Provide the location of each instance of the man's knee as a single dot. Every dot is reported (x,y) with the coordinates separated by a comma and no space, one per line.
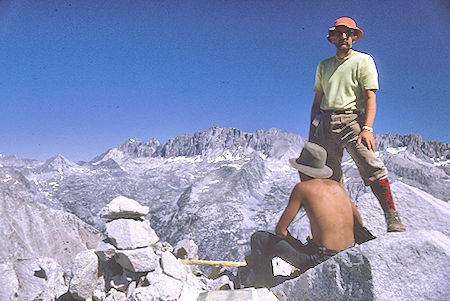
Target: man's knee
(258,236)
(260,240)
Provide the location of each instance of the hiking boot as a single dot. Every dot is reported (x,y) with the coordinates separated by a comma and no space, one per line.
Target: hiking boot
(394,224)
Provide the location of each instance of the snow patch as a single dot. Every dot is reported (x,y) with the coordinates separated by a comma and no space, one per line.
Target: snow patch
(184,159)
(441,163)
(395,150)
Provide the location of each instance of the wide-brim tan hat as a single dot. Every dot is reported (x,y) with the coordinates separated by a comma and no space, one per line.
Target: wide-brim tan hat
(311,162)
(347,22)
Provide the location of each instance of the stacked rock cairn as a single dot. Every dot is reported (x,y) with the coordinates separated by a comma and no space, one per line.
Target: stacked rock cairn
(132,264)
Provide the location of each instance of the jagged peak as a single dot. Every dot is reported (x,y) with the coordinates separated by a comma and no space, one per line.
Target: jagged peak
(133,148)
(216,140)
(58,160)
(415,144)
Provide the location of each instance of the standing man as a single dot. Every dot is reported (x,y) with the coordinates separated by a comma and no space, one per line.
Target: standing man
(343,112)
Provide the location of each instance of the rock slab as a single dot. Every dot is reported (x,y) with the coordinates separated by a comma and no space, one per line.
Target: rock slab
(412,265)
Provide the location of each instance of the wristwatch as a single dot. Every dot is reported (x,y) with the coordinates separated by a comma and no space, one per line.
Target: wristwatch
(366,127)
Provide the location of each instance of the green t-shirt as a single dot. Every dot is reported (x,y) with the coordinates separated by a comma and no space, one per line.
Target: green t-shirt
(342,81)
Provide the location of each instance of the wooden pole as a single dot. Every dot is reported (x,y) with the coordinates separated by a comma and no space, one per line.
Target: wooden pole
(212,262)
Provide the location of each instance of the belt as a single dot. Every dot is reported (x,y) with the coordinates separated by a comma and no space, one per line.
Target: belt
(327,252)
(336,112)
(324,251)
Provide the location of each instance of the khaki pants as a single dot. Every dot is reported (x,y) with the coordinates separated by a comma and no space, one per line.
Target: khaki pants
(339,131)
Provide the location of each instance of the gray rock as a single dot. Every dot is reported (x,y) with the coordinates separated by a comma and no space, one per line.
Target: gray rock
(84,275)
(145,293)
(161,247)
(131,287)
(139,260)
(39,279)
(105,251)
(126,234)
(115,295)
(120,282)
(172,267)
(186,249)
(98,295)
(248,294)
(412,265)
(123,207)
(35,230)
(9,285)
(168,288)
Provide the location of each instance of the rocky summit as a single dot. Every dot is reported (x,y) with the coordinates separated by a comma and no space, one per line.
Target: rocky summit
(104,229)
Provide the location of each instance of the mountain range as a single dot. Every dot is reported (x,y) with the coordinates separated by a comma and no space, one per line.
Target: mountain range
(220,185)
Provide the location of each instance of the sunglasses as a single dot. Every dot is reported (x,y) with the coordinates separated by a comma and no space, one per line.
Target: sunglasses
(348,32)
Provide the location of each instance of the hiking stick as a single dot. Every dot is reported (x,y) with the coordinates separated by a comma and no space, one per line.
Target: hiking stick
(212,262)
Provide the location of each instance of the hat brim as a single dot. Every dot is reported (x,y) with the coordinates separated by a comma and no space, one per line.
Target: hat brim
(317,173)
(359,33)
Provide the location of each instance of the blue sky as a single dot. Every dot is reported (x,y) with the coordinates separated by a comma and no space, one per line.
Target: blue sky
(79,77)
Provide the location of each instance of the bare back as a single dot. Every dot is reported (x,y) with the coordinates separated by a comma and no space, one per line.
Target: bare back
(329,210)
(330,214)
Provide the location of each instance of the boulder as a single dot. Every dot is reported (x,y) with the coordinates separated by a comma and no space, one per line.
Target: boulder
(172,267)
(120,282)
(139,260)
(168,288)
(115,295)
(161,247)
(413,265)
(186,249)
(105,251)
(248,294)
(9,285)
(38,278)
(33,230)
(145,293)
(123,207)
(127,234)
(84,275)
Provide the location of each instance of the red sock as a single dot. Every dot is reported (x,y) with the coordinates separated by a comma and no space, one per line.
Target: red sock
(382,190)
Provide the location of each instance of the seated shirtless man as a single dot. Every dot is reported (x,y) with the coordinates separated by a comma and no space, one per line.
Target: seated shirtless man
(331,215)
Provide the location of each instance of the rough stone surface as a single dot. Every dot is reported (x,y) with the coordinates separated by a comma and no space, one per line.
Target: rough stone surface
(168,288)
(186,249)
(9,284)
(412,265)
(139,260)
(35,230)
(172,267)
(120,282)
(123,207)
(39,278)
(115,295)
(105,251)
(248,294)
(84,275)
(145,293)
(127,234)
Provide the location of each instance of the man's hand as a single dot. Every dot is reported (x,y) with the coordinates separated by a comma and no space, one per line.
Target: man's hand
(367,138)
(281,233)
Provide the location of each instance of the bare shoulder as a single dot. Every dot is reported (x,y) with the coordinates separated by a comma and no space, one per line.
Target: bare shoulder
(324,183)
(323,187)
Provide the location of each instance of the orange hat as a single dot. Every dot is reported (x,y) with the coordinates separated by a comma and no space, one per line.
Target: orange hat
(347,22)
